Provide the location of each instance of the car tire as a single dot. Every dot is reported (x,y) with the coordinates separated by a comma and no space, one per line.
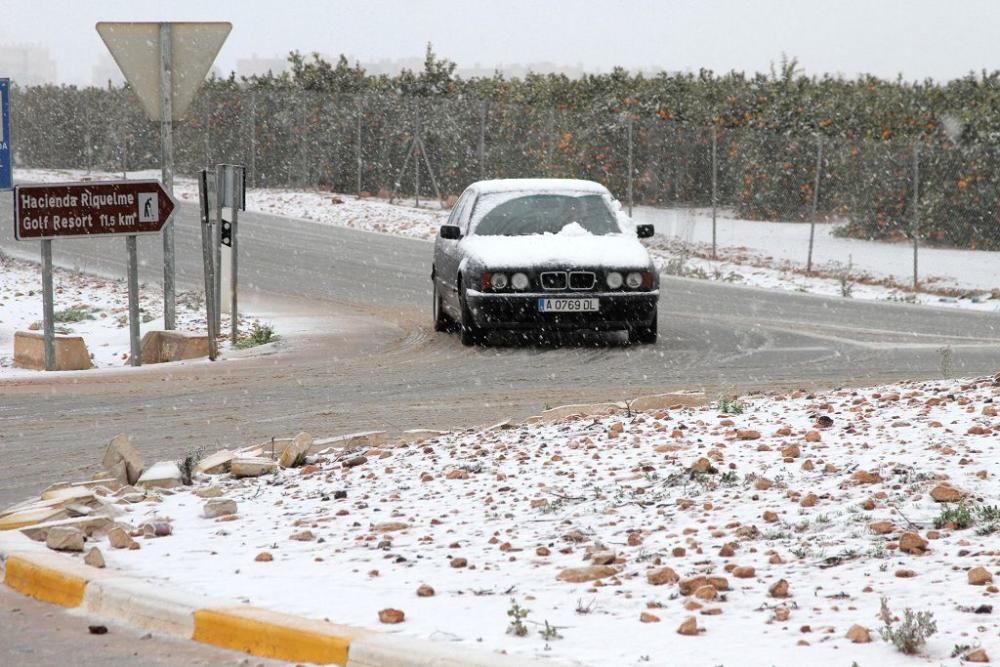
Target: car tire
(441,320)
(644,335)
(468,331)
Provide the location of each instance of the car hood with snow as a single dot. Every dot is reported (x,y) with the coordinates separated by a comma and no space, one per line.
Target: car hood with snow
(572,246)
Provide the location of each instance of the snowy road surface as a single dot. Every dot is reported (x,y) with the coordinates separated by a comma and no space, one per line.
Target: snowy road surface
(385,369)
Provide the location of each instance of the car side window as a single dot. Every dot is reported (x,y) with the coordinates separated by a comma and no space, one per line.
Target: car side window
(454,217)
(465,215)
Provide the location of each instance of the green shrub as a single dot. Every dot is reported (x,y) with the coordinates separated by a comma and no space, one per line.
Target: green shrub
(909,634)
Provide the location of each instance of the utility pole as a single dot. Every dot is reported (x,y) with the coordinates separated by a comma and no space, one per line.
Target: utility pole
(167,169)
(815,202)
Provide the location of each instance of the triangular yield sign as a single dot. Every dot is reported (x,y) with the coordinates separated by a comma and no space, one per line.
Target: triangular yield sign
(136,49)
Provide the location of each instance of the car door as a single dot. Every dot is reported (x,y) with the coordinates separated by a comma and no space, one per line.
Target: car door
(447,256)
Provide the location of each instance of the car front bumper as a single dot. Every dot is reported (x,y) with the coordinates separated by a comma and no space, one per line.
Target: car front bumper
(617,310)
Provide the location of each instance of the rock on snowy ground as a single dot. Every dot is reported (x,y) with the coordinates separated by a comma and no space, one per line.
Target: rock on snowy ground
(763,536)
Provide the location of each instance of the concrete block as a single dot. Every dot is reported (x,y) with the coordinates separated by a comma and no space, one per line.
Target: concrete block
(71,352)
(162,346)
(162,475)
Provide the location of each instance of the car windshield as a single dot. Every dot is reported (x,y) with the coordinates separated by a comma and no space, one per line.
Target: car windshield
(521,214)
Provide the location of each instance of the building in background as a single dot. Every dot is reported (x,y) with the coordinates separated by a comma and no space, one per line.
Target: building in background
(27,64)
(257,66)
(106,72)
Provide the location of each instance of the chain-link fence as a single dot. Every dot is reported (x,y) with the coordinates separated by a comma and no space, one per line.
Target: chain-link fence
(290,138)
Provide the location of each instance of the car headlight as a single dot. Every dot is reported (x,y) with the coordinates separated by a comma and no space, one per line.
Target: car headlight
(614,280)
(519,281)
(498,280)
(634,280)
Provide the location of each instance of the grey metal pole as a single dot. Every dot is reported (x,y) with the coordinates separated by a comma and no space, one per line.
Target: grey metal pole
(630,165)
(135,355)
(416,161)
(430,170)
(253,139)
(916,210)
(482,140)
(357,140)
(208,261)
(234,313)
(715,187)
(815,202)
(167,169)
(48,310)
(217,244)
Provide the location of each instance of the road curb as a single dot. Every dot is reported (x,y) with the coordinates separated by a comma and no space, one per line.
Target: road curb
(32,570)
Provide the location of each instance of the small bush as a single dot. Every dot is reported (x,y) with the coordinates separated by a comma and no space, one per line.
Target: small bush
(909,634)
(959,515)
(74,314)
(260,334)
(517,614)
(731,406)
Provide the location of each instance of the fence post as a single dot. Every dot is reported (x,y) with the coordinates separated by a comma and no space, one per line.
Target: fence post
(357,139)
(915,232)
(482,140)
(416,160)
(715,185)
(630,165)
(253,139)
(815,202)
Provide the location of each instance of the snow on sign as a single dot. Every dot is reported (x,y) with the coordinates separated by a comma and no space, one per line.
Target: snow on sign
(6,163)
(90,209)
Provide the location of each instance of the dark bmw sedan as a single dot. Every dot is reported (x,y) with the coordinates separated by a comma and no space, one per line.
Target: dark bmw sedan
(542,254)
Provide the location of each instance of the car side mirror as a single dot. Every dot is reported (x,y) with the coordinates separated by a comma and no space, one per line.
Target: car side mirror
(644,231)
(450,232)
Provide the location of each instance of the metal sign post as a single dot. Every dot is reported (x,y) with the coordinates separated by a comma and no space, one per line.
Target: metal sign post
(6,161)
(48,314)
(208,260)
(135,354)
(230,198)
(167,169)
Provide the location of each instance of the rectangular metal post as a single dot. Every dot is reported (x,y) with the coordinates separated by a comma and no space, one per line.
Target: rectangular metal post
(48,310)
(357,140)
(217,244)
(715,187)
(916,211)
(135,352)
(234,313)
(208,261)
(416,161)
(815,202)
(482,140)
(167,169)
(630,165)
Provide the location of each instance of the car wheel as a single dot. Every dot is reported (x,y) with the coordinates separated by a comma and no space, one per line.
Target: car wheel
(441,320)
(470,333)
(643,335)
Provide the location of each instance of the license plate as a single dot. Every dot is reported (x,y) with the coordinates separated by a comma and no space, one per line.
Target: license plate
(568,305)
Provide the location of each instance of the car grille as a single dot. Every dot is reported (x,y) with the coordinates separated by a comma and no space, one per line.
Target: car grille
(554,280)
(574,280)
(582,280)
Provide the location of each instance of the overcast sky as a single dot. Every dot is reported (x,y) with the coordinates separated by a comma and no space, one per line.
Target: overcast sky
(917,38)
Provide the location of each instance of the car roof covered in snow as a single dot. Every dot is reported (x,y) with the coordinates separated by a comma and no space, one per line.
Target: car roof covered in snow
(539,185)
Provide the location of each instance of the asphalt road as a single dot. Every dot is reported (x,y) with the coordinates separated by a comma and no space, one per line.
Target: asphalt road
(371,361)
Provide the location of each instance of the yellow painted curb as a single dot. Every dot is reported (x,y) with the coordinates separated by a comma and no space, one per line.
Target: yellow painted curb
(43,583)
(273,635)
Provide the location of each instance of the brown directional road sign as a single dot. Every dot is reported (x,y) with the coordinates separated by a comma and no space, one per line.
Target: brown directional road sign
(99,208)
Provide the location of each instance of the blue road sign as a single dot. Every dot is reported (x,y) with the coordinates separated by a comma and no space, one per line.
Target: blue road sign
(6,164)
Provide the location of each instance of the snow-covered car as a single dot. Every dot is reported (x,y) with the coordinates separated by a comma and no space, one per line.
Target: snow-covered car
(548,254)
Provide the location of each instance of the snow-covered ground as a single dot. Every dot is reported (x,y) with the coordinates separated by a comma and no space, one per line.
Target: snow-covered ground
(93,307)
(770,255)
(823,492)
